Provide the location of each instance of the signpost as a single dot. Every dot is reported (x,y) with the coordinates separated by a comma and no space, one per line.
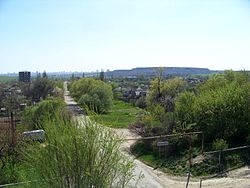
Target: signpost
(162,144)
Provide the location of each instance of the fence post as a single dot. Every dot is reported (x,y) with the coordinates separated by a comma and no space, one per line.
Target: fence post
(190,160)
(202,144)
(219,161)
(200,183)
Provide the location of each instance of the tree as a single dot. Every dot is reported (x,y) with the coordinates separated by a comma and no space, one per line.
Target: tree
(164,93)
(40,89)
(45,75)
(38,75)
(184,112)
(161,100)
(34,116)
(220,108)
(158,83)
(93,94)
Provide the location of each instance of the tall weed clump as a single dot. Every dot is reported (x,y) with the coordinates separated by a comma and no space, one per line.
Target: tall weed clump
(77,154)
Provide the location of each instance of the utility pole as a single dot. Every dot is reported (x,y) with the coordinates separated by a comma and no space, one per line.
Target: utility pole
(13,130)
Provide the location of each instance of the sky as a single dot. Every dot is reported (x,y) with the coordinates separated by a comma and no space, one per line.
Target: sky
(90,35)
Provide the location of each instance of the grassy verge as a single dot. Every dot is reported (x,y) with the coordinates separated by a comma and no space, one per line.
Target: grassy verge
(120,116)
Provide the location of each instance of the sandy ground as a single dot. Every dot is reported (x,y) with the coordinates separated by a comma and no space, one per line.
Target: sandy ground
(157,179)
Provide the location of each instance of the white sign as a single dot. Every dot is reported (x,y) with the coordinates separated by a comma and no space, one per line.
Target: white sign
(165,143)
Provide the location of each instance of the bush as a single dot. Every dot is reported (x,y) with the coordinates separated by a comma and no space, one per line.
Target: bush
(77,154)
(219,144)
(33,117)
(94,94)
(141,102)
(219,108)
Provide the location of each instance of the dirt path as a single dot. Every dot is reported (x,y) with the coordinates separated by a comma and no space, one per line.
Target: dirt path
(155,178)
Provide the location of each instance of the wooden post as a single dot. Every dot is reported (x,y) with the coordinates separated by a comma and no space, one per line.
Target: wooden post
(202,144)
(200,183)
(189,174)
(13,130)
(219,161)
(190,160)
(159,149)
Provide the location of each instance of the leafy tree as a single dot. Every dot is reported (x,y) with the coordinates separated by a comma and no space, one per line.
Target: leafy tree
(91,93)
(184,112)
(45,75)
(161,101)
(164,93)
(34,116)
(224,112)
(41,88)
(220,108)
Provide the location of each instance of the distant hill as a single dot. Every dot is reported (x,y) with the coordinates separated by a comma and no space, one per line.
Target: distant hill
(152,71)
(145,71)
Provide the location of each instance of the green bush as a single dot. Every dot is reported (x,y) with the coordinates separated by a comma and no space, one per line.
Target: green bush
(94,94)
(77,154)
(219,144)
(33,117)
(219,108)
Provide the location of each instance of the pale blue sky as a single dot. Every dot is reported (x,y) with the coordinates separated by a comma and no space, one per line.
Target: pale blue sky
(89,35)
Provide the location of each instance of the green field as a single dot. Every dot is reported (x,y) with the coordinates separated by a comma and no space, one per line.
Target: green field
(6,79)
(120,116)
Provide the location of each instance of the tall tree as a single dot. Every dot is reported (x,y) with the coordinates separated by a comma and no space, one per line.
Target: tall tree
(44,74)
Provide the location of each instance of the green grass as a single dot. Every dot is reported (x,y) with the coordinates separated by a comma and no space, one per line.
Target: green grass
(120,116)
(6,79)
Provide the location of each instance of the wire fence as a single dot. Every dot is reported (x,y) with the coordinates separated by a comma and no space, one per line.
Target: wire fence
(227,160)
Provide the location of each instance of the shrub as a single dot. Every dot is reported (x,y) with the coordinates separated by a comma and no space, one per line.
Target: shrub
(77,154)
(219,144)
(34,116)
(94,94)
